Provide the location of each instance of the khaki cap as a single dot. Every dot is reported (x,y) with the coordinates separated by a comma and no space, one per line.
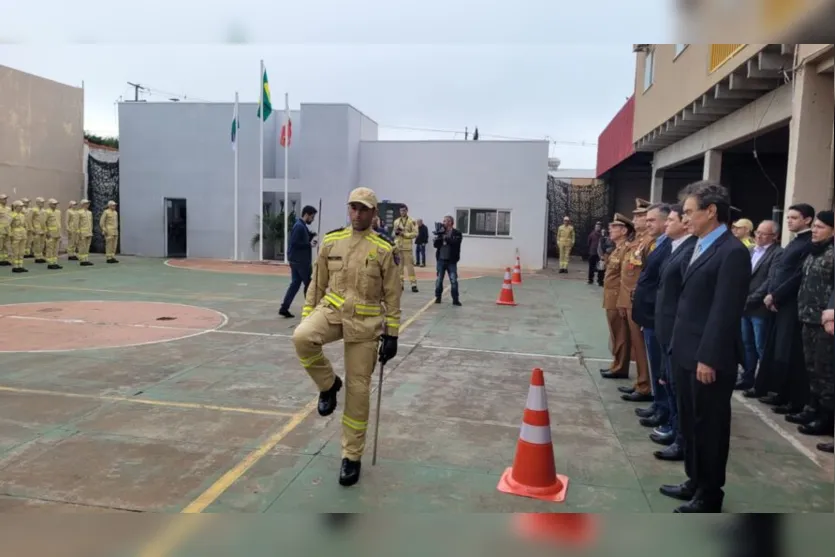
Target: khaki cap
(744,223)
(641,206)
(17,203)
(111,203)
(623,221)
(52,201)
(365,196)
(3,196)
(39,200)
(25,200)
(72,203)
(85,201)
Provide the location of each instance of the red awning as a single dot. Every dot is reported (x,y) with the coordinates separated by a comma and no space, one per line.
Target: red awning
(615,142)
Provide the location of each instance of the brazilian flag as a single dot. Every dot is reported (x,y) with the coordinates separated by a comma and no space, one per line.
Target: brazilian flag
(266,102)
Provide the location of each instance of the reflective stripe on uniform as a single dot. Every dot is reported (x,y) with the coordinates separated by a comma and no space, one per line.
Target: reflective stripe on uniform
(338,235)
(392,322)
(368,310)
(535,434)
(306,310)
(536,398)
(309,361)
(379,242)
(354,424)
(335,299)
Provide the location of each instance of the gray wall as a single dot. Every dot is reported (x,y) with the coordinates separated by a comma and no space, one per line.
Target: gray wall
(184,150)
(434,178)
(41,137)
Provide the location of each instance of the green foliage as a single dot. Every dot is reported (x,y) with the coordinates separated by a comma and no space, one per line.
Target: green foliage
(273,229)
(104,141)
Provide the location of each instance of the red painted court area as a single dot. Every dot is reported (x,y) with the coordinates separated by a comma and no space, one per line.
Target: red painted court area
(60,326)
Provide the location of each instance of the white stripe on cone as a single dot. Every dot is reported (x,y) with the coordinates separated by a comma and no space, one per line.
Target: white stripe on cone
(537,399)
(535,434)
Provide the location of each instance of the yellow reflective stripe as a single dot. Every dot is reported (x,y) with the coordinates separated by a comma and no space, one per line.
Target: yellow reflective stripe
(354,424)
(370,310)
(308,362)
(392,321)
(379,242)
(338,235)
(306,310)
(335,299)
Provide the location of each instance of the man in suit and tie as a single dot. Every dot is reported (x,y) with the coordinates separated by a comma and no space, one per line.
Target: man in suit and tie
(757,319)
(707,345)
(666,303)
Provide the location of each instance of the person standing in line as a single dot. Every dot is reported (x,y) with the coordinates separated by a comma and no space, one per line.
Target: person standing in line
(300,257)
(593,241)
(707,345)
(5,231)
(52,233)
(72,232)
(447,244)
(19,236)
(405,231)
(420,243)
(828,323)
(619,231)
(85,233)
(565,242)
(109,225)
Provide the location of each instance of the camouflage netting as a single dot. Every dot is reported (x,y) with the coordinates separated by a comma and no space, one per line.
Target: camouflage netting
(584,204)
(103,186)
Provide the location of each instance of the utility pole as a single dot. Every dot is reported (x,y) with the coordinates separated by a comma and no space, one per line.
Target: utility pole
(136,88)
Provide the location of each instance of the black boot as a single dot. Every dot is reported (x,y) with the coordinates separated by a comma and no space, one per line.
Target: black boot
(414,288)
(5,264)
(808,415)
(327,399)
(456,303)
(822,425)
(285,313)
(349,473)
(826,447)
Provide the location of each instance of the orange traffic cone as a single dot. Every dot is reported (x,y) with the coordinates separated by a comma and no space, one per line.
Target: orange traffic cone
(517,272)
(533,473)
(574,529)
(506,293)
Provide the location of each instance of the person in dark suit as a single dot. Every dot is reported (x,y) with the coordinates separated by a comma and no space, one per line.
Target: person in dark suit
(757,319)
(706,345)
(300,256)
(783,369)
(666,302)
(643,309)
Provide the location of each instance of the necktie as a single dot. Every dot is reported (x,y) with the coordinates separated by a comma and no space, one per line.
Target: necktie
(696,252)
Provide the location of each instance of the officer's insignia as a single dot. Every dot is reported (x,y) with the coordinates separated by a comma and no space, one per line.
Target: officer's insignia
(372,255)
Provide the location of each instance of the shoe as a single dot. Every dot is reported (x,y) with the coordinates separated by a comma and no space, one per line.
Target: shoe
(645,412)
(673,453)
(683,492)
(653,421)
(784,409)
(666,439)
(700,505)
(54,267)
(39,260)
(456,303)
(637,397)
(86,263)
(5,264)
(72,258)
(752,393)
(606,374)
(817,427)
(414,289)
(626,390)
(826,447)
(349,473)
(285,313)
(327,399)
(802,418)
(437,300)
(772,400)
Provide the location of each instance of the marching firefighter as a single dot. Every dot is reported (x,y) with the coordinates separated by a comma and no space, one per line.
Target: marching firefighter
(354,296)
(72,232)
(5,231)
(109,224)
(17,229)
(405,231)
(85,233)
(52,232)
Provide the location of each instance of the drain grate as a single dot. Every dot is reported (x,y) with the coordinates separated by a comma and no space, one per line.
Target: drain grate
(166,318)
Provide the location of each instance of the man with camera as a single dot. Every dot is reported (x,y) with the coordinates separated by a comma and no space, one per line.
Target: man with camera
(447,245)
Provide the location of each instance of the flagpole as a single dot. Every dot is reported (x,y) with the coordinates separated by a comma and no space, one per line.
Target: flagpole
(237,127)
(261,162)
(286,172)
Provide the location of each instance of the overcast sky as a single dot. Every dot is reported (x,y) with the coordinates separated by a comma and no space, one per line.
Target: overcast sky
(553,69)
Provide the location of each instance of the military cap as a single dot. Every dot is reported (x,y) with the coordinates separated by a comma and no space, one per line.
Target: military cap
(364,196)
(17,203)
(111,203)
(72,203)
(25,200)
(3,196)
(85,201)
(826,217)
(39,200)
(52,201)
(623,221)
(641,206)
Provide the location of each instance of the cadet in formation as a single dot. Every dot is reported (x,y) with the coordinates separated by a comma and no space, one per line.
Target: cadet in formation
(17,228)
(405,231)
(355,296)
(5,231)
(52,234)
(34,225)
(72,232)
(84,234)
(109,224)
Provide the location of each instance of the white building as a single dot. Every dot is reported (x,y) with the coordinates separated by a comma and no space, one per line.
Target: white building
(496,190)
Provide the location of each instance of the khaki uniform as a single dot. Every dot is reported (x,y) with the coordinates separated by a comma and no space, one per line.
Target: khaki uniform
(404,246)
(631,266)
(354,296)
(5,233)
(85,234)
(17,227)
(52,228)
(35,226)
(109,224)
(618,325)
(72,232)
(565,243)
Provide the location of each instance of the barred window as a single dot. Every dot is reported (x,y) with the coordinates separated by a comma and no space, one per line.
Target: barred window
(483,222)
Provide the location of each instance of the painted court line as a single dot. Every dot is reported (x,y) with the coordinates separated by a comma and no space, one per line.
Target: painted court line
(183,296)
(146,401)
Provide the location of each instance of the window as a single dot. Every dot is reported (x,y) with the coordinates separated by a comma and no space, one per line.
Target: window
(483,222)
(649,68)
(679,49)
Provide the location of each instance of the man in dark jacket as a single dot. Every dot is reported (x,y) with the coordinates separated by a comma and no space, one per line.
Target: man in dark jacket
(300,257)
(420,244)
(447,245)
(594,258)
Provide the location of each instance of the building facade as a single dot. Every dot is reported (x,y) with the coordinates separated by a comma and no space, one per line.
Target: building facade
(182,151)
(41,137)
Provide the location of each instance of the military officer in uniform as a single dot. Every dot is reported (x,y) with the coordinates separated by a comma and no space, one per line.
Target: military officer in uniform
(639,217)
(109,224)
(52,233)
(619,231)
(29,236)
(72,232)
(19,236)
(355,296)
(565,242)
(36,228)
(85,233)
(5,231)
(405,231)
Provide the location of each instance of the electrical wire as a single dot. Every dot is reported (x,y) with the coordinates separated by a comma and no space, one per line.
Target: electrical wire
(494,136)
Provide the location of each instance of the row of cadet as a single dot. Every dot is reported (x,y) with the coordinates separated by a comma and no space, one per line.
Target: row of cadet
(35,232)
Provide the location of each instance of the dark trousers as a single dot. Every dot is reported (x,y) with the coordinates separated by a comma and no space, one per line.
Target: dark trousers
(593,260)
(656,371)
(445,267)
(420,254)
(705,419)
(299,274)
(670,389)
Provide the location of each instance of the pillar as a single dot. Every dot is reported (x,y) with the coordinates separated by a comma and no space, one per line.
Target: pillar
(656,186)
(809,176)
(713,166)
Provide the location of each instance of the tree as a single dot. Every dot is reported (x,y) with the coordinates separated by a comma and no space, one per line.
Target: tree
(104,141)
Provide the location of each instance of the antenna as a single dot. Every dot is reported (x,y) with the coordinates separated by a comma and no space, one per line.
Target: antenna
(136,88)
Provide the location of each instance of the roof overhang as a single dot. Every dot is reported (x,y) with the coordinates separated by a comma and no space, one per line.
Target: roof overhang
(766,71)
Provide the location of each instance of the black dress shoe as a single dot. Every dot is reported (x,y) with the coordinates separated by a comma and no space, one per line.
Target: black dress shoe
(699,505)
(637,397)
(327,399)
(285,313)
(644,412)
(654,421)
(826,447)
(772,399)
(665,439)
(349,472)
(802,418)
(743,386)
(817,427)
(673,453)
(786,409)
(752,393)
(626,390)
(683,492)
(609,374)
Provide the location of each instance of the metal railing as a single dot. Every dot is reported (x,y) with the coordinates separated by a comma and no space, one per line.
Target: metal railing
(721,53)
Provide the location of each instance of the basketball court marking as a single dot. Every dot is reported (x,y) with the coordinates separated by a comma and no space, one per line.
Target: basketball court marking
(207,297)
